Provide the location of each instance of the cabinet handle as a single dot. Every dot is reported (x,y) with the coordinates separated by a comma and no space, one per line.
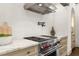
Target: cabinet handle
(28,52)
(60,46)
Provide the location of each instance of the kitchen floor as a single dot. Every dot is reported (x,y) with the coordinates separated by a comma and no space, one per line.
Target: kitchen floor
(75,52)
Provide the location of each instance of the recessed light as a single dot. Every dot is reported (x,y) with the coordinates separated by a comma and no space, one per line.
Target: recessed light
(40,4)
(51,7)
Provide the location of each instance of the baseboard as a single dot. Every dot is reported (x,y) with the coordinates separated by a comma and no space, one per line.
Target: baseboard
(69,53)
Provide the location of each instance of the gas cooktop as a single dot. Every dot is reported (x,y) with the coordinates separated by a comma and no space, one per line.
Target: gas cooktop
(40,38)
(47,44)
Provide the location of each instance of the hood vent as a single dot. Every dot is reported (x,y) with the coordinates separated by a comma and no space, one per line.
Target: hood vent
(41,8)
(65,4)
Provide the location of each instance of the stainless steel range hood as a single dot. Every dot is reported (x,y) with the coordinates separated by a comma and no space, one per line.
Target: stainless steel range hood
(42,8)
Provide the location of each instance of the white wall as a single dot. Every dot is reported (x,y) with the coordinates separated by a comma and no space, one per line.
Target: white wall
(77,23)
(60,22)
(24,23)
(49,19)
(68,13)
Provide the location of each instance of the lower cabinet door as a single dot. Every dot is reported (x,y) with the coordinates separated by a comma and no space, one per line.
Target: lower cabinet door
(32,51)
(63,51)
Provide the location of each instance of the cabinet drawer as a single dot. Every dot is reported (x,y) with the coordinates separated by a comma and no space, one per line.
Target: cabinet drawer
(63,50)
(32,51)
(63,40)
(63,46)
(64,54)
(73,45)
(73,38)
(63,43)
(23,52)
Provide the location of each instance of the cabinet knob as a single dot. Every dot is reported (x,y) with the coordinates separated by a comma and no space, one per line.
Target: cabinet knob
(28,52)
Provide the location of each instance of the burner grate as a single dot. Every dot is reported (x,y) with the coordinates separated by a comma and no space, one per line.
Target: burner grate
(36,39)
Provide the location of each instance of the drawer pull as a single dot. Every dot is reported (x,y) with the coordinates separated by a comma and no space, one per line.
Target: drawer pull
(28,52)
(60,46)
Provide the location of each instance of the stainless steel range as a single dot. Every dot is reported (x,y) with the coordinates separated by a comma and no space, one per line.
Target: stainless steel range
(48,45)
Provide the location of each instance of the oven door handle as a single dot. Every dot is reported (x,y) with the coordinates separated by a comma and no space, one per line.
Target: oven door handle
(60,46)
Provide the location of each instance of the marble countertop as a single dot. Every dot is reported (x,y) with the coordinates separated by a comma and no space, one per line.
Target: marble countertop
(60,36)
(16,44)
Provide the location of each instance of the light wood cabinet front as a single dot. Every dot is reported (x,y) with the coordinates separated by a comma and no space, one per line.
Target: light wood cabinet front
(31,51)
(63,46)
(73,41)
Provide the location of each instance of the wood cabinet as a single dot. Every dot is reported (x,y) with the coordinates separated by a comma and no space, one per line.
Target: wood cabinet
(63,46)
(73,41)
(31,51)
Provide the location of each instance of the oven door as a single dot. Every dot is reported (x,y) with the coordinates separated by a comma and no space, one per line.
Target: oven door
(54,52)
